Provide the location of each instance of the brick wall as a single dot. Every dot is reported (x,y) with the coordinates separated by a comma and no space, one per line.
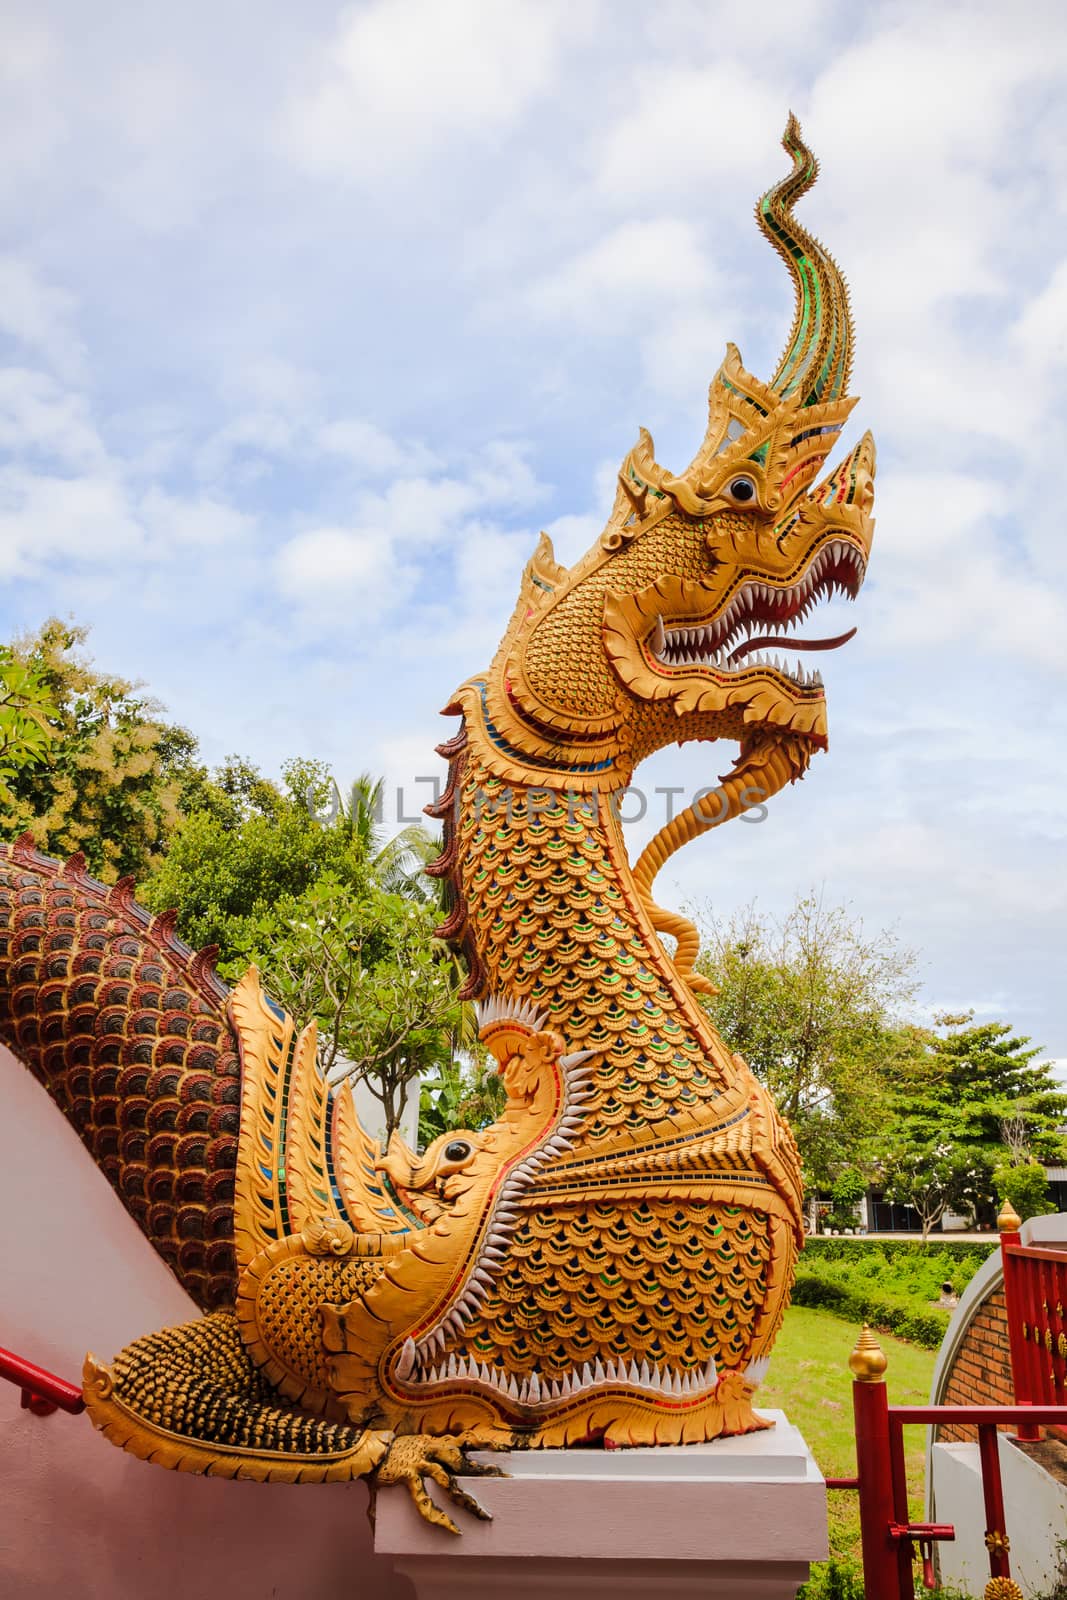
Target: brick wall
(981,1372)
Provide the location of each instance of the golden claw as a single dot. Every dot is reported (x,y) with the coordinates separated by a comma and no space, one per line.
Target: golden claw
(415,1456)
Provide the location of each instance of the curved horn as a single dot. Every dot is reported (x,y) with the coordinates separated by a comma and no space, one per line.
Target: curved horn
(818,354)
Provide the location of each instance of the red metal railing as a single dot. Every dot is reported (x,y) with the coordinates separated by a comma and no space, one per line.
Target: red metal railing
(1035,1291)
(42,1392)
(888,1537)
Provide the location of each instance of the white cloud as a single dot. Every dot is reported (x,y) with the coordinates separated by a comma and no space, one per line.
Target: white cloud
(1042,328)
(402,80)
(85,520)
(39,316)
(693,132)
(342,575)
(636,264)
(371,449)
(173,521)
(41,417)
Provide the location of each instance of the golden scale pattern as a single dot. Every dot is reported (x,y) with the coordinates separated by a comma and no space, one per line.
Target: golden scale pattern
(673,1284)
(595,1283)
(195,1380)
(556,925)
(287,1308)
(573,659)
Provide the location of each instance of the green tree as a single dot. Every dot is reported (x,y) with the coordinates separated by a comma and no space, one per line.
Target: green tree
(248,846)
(813,1004)
(307,887)
(1026,1186)
(27,716)
(951,1100)
(396,861)
(364,965)
(109,777)
(467,1093)
(933,1175)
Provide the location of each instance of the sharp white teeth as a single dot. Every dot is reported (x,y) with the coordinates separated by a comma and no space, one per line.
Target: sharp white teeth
(405,1365)
(659,638)
(599,1375)
(587,1375)
(451,1369)
(533,1392)
(756,1371)
(565,1386)
(513,1388)
(709,1372)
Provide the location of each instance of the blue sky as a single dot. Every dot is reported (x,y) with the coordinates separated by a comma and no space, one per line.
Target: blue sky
(313,316)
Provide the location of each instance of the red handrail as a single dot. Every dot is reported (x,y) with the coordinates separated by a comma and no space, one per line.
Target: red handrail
(887,1535)
(42,1392)
(1035,1289)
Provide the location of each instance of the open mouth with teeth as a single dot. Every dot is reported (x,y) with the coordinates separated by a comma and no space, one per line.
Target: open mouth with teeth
(656,1383)
(762,615)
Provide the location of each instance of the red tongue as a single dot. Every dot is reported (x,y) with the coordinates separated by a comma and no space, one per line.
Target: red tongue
(785,643)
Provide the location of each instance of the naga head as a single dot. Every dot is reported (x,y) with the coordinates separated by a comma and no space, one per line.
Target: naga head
(689,618)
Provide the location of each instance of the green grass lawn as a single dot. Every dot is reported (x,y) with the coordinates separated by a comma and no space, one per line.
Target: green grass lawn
(809,1380)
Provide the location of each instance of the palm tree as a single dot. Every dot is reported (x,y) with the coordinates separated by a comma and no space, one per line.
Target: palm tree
(396,861)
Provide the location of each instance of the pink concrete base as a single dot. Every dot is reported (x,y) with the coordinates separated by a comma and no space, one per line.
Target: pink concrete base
(740,1519)
(451,1579)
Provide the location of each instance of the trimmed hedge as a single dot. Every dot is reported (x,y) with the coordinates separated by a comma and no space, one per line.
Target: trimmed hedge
(888,1283)
(890,1314)
(828,1247)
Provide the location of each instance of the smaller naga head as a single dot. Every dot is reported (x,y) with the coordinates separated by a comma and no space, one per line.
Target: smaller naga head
(429,1182)
(385,1349)
(690,616)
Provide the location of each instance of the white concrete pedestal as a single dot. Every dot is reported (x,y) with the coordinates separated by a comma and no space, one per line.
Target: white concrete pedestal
(740,1519)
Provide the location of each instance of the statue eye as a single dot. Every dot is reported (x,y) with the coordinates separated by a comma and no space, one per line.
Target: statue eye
(742,491)
(458,1150)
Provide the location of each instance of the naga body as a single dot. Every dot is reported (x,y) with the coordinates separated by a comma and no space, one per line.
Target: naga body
(611,1260)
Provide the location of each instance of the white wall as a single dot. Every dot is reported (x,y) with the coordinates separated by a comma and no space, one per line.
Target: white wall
(77,1516)
(1035,1512)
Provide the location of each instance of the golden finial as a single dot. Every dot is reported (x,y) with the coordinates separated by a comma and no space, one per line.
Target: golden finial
(1002,1589)
(867,1360)
(1008,1219)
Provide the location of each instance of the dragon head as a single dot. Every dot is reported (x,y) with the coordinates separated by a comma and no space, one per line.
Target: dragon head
(667,628)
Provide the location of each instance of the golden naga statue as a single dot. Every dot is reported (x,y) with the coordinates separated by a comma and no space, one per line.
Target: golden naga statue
(610,1262)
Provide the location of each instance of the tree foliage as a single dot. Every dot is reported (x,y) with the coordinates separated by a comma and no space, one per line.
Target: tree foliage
(307,888)
(813,1003)
(247,846)
(361,962)
(1026,1186)
(466,1093)
(950,1102)
(107,772)
(28,713)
